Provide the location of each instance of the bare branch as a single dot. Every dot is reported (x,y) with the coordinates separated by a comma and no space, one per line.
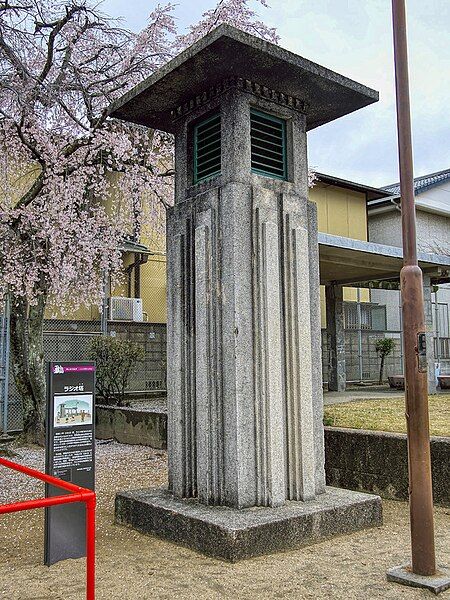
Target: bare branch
(4,6)
(57,26)
(28,144)
(19,66)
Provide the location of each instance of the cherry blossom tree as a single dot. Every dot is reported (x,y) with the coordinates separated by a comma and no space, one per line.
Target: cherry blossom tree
(71,177)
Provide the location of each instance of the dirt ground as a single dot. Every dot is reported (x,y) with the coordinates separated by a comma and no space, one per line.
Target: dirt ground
(132,566)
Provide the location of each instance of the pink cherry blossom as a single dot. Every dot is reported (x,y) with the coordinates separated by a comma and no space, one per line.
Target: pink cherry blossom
(73,179)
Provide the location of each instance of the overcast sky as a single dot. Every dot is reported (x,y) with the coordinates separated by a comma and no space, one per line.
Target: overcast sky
(354,37)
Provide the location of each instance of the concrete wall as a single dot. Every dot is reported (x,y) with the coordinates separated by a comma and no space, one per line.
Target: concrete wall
(385,228)
(131,426)
(377,462)
(151,374)
(371,461)
(370,359)
(433,231)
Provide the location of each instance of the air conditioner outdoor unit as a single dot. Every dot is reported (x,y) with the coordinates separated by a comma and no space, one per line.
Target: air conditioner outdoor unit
(125,309)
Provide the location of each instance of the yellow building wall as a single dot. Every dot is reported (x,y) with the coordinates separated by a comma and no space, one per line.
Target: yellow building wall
(85,313)
(154,289)
(153,272)
(340,212)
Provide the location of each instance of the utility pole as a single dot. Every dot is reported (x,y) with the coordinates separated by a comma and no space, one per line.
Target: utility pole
(423,564)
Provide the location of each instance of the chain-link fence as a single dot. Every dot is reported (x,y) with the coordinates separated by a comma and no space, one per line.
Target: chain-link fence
(70,340)
(4,362)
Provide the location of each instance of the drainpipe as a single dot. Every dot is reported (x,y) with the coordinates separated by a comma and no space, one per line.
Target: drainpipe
(394,202)
(139,259)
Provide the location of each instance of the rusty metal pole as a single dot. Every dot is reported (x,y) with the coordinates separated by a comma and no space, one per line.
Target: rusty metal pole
(419,459)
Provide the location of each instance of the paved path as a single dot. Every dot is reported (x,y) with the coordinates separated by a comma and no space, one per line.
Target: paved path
(362,393)
(356,394)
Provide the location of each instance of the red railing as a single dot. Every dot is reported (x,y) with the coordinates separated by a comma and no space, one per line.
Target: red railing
(77,494)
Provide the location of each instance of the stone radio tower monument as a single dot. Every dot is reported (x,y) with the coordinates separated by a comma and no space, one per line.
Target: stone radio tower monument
(245,409)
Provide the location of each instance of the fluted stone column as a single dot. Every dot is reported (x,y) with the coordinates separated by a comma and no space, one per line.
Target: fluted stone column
(244,382)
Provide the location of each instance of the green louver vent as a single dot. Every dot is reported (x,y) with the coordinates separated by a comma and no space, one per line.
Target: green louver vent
(268,143)
(207,151)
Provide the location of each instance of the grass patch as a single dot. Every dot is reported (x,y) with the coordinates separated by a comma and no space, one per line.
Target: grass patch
(387,414)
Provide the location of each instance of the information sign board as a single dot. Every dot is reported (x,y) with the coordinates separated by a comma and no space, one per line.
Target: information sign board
(70,454)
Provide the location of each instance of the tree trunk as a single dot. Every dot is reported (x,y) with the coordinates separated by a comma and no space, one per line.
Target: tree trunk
(381,369)
(28,368)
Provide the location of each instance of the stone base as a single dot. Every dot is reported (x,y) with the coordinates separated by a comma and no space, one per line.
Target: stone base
(435,583)
(234,534)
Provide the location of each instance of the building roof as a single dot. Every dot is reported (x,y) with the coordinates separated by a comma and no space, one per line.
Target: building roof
(356,262)
(421,183)
(136,247)
(227,52)
(371,192)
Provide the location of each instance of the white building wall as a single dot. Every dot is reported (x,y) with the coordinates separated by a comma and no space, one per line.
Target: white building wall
(436,198)
(433,236)
(433,231)
(391,299)
(386,228)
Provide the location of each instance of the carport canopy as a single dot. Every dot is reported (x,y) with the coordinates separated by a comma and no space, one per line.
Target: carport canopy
(357,263)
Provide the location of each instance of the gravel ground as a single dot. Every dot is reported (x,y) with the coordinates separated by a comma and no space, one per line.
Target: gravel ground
(131,566)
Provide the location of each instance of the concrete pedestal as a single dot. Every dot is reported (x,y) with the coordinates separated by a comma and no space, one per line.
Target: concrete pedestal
(437,583)
(236,534)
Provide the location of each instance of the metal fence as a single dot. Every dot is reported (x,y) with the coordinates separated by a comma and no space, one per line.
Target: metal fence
(70,340)
(361,360)
(4,363)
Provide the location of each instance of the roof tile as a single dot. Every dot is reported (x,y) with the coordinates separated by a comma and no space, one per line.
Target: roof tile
(421,183)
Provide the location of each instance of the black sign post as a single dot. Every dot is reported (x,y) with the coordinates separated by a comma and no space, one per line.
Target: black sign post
(70,454)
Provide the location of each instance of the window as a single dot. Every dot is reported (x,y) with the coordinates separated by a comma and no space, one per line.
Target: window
(268,144)
(207,150)
(373,316)
(443,319)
